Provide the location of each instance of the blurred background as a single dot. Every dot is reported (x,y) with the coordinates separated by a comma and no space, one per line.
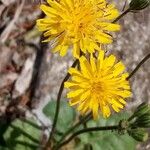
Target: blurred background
(30,75)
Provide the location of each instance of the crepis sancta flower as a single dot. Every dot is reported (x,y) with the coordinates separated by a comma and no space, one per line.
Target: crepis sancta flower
(80,25)
(99,85)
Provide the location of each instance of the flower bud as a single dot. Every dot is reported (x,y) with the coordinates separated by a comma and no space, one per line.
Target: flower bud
(141,110)
(143,121)
(139,4)
(139,134)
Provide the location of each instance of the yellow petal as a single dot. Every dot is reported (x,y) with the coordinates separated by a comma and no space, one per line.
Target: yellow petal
(63,50)
(123,94)
(74,101)
(76,50)
(54,4)
(109,61)
(49,11)
(93,63)
(82,46)
(109,26)
(80,79)
(95,110)
(115,108)
(100,60)
(122,101)
(85,95)
(106,111)
(125,75)
(85,67)
(56,48)
(111,12)
(116,103)
(74,71)
(103,39)
(93,46)
(70,4)
(70,84)
(83,106)
(74,93)
(119,68)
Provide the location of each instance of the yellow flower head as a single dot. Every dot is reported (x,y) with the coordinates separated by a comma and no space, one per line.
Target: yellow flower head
(78,24)
(98,85)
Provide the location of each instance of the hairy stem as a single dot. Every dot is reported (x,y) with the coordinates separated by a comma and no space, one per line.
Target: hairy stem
(138,66)
(58,105)
(122,15)
(116,127)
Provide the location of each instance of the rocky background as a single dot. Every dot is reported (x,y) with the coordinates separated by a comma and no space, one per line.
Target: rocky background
(30,74)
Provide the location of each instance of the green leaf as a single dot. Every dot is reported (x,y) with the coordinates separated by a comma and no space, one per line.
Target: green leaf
(22,136)
(66,114)
(107,140)
(3,148)
(3,128)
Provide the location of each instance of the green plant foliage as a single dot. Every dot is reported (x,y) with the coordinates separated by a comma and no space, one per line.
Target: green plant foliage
(3,128)
(21,136)
(66,114)
(3,148)
(106,140)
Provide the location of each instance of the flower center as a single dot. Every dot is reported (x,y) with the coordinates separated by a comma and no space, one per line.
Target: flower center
(82,17)
(97,88)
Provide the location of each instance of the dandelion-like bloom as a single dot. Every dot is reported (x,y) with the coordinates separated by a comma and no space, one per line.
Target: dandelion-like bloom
(98,85)
(78,24)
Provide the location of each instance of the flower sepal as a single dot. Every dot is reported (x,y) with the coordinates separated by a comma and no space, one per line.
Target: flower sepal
(139,4)
(139,134)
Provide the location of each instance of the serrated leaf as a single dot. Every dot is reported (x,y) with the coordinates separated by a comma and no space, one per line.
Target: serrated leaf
(3,128)
(22,136)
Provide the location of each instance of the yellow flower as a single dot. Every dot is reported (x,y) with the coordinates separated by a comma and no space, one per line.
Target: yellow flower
(78,24)
(98,85)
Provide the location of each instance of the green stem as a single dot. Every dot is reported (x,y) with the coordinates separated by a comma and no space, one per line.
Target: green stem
(135,70)
(58,105)
(139,65)
(122,15)
(115,127)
